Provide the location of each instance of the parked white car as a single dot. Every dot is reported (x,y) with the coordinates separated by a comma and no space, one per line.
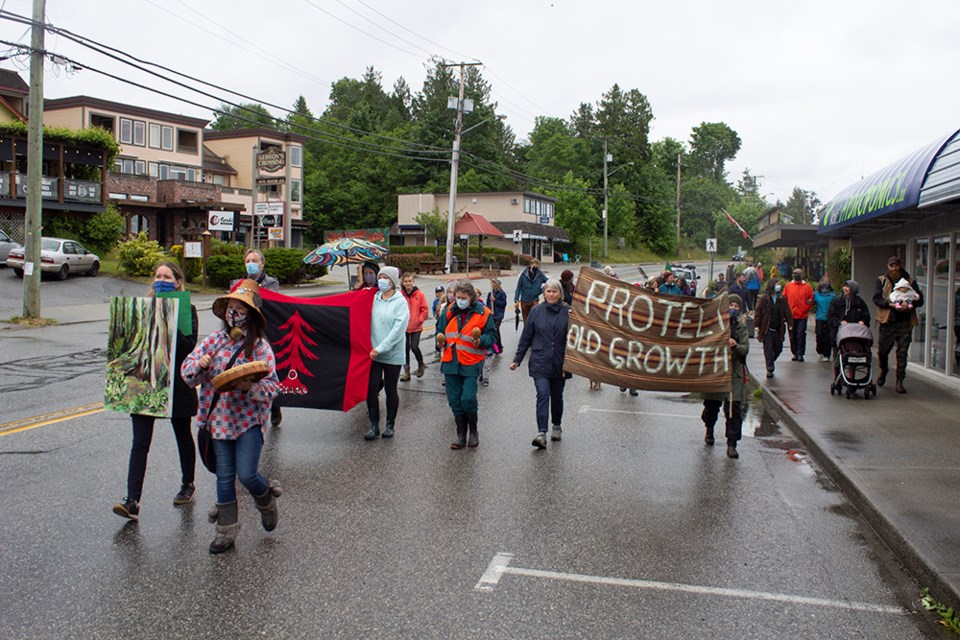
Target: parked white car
(59,256)
(6,244)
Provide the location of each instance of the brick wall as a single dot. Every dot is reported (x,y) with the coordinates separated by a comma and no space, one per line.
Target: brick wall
(132,185)
(173,191)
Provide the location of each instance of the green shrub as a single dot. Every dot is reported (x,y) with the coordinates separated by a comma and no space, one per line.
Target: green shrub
(222,269)
(104,230)
(408,262)
(287,265)
(221,248)
(503,261)
(138,255)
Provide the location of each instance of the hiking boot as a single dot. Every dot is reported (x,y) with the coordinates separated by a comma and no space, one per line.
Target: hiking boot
(732,451)
(556,434)
(708,437)
(405,376)
(228,526)
(128,509)
(540,442)
(185,496)
(421,368)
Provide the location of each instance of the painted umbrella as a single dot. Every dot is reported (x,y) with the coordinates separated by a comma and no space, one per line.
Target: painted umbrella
(345,251)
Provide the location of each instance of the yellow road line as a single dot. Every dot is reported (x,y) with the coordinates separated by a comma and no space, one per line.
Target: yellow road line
(49,418)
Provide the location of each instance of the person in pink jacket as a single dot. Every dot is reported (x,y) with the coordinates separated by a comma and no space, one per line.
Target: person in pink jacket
(799,295)
(418,314)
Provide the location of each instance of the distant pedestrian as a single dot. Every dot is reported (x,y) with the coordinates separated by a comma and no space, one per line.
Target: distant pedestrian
(545,336)
(465,330)
(896,325)
(497,303)
(684,286)
(566,281)
(438,300)
(732,403)
(236,418)
(799,295)
(771,318)
(668,284)
(167,276)
(388,325)
(610,272)
(822,298)
(754,279)
(739,288)
(368,275)
(529,287)
(417,305)
(848,308)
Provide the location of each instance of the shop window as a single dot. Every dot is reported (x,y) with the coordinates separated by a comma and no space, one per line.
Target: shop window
(921,259)
(938,303)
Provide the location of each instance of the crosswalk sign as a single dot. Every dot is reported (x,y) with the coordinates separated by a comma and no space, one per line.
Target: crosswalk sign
(711,245)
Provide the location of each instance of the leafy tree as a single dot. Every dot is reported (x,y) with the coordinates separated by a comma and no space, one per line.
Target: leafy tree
(623,118)
(576,209)
(701,199)
(245,116)
(711,145)
(664,154)
(621,212)
(434,225)
(800,207)
(748,184)
(555,149)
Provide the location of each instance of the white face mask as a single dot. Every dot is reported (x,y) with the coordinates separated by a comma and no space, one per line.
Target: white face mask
(384,285)
(463,303)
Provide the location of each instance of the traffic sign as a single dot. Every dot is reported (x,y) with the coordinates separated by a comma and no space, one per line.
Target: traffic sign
(518,235)
(711,245)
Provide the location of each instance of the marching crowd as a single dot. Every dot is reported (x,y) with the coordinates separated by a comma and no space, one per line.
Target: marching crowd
(233,419)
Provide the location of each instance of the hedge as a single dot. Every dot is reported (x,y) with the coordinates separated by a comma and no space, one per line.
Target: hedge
(286,265)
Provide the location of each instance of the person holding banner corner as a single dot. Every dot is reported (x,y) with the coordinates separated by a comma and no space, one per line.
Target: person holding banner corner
(732,403)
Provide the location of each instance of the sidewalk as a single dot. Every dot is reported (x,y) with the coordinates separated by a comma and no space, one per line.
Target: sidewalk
(897,457)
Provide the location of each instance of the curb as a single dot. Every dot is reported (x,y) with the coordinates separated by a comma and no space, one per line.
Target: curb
(923,572)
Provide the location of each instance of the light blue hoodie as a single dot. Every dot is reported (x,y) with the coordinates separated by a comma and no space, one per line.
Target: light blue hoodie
(388,327)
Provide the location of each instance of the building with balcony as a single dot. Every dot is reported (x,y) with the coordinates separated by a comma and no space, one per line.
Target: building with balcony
(530,213)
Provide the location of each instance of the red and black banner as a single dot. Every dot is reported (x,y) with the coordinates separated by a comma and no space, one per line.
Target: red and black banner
(322,347)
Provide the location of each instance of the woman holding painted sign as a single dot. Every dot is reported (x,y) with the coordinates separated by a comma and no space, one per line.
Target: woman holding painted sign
(545,334)
(739,342)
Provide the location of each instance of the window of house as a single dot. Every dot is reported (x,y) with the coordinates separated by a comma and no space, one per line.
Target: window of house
(104,122)
(139,133)
(191,175)
(126,131)
(140,167)
(118,166)
(178,173)
(166,138)
(128,165)
(153,169)
(154,136)
(218,179)
(296,158)
(267,188)
(140,198)
(117,196)
(164,172)
(187,141)
(295,191)
(139,223)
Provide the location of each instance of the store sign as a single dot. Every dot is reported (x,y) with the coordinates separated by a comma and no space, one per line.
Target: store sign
(271,160)
(377,235)
(192,249)
(220,220)
(275,233)
(267,209)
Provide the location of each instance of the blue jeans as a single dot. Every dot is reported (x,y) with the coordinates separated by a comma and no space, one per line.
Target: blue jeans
(549,401)
(239,459)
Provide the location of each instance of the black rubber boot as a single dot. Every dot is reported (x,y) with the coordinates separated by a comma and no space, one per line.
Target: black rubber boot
(882,379)
(461,440)
(374,432)
(388,425)
(228,526)
(267,505)
(708,437)
(473,440)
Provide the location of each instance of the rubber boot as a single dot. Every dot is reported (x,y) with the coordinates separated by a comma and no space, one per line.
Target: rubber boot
(388,425)
(405,376)
(461,440)
(267,505)
(732,450)
(228,526)
(708,437)
(374,432)
(473,440)
(900,388)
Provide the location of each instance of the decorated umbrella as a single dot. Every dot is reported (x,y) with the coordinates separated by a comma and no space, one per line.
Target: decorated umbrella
(345,251)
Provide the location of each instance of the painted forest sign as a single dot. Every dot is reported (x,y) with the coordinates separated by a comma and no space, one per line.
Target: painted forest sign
(633,337)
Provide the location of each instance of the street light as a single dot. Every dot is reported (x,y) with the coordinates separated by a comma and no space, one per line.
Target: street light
(455,165)
(606,176)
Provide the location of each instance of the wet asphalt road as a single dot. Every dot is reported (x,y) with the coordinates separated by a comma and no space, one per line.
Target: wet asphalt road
(390,538)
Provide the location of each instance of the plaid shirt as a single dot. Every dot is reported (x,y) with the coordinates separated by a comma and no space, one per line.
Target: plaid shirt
(236,411)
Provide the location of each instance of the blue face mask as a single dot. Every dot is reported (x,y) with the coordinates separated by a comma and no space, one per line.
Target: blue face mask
(162,286)
(463,303)
(253,268)
(384,285)
(368,278)
(734,314)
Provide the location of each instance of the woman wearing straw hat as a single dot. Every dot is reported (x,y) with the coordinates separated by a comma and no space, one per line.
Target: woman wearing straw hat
(236,418)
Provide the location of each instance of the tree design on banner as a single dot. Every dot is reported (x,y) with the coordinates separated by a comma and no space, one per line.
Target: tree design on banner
(296,346)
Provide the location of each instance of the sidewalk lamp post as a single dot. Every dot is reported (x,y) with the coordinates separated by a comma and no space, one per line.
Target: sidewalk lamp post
(607,157)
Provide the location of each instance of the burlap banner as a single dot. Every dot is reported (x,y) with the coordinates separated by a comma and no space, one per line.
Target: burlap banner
(632,337)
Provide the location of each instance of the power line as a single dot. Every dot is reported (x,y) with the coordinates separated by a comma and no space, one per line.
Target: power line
(356,28)
(401,39)
(389,19)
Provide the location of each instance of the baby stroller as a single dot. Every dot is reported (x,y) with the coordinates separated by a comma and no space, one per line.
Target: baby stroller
(853,343)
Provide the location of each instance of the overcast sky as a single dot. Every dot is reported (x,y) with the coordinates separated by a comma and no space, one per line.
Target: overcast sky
(820,92)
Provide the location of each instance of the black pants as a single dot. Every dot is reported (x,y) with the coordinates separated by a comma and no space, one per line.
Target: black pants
(142,435)
(798,337)
(413,344)
(772,347)
(387,375)
(497,323)
(823,338)
(899,333)
(732,413)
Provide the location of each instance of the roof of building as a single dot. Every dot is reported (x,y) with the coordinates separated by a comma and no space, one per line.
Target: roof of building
(13,110)
(11,81)
(213,162)
(474,224)
(929,176)
(254,132)
(119,107)
(462,194)
(534,230)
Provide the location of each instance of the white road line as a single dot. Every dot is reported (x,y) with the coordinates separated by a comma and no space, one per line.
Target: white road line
(497,568)
(585,408)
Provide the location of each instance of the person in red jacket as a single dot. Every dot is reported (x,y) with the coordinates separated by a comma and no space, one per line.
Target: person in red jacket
(799,295)
(418,313)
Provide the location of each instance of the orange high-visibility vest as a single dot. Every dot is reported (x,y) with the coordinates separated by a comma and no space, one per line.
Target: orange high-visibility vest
(467,354)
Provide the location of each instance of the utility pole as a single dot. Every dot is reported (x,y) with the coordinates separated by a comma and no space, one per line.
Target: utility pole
(455,161)
(34,214)
(606,159)
(678,205)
